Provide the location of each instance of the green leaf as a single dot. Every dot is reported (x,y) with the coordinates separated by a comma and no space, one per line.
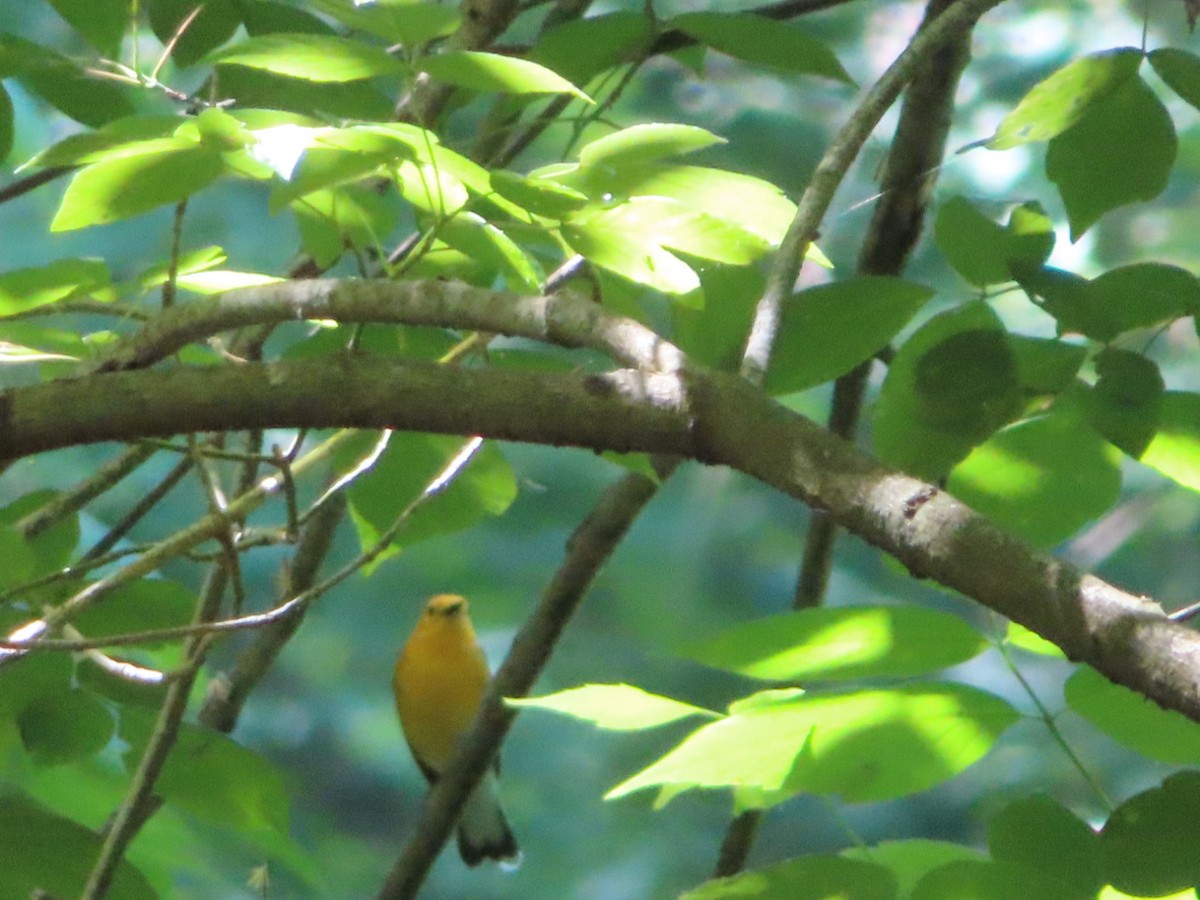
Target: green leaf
(839,643)
(1175,448)
(1180,69)
(332,220)
(987,880)
(1142,295)
(6,124)
(1121,152)
(43,851)
(404,23)
(19,558)
(212,776)
(486,487)
(750,203)
(809,878)
(715,335)
(1126,402)
(642,144)
(864,746)
(151,175)
(540,196)
(584,48)
(63,83)
(671,224)
(605,241)
(951,386)
(1042,479)
(1062,99)
(768,42)
(1045,366)
(57,728)
(1019,636)
(328,157)
(62,279)
(102,22)
(828,330)
(151,603)
(616,707)
(1151,842)
(310,57)
(981,250)
(265,17)
(52,548)
(911,860)
(215,23)
(1039,833)
(91,146)
(1128,717)
(471,234)
(479,71)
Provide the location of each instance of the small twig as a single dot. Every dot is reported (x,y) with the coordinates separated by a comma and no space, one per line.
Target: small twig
(168,287)
(107,476)
(169,48)
(21,186)
(832,169)
(122,669)
(138,511)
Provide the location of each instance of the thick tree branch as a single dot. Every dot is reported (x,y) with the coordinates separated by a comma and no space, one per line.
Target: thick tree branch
(708,416)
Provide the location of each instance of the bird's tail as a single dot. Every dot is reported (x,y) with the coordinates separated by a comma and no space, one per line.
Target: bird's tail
(483,831)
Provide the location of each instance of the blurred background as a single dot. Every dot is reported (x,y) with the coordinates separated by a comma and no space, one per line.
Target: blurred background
(713,549)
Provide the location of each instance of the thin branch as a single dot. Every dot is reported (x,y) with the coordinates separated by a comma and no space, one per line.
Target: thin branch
(138,511)
(559,319)
(107,476)
(21,186)
(587,550)
(130,815)
(830,171)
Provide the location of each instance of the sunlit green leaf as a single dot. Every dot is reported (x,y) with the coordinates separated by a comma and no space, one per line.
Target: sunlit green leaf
(863,746)
(539,196)
(164,172)
(761,40)
(828,330)
(1175,448)
(642,144)
(332,220)
(479,239)
(607,242)
(310,57)
(1019,636)
(809,878)
(837,643)
(478,71)
(1042,479)
(1062,99)
(1121,152)
(25,289)
(617,707)
(1128,717)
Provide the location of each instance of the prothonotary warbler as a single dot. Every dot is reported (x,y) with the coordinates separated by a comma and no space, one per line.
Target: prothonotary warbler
(439,681)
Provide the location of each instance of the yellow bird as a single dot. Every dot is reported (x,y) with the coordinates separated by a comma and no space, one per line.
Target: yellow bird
(440,678)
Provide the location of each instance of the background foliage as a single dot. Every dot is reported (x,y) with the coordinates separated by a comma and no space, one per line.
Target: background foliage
(1040,363)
